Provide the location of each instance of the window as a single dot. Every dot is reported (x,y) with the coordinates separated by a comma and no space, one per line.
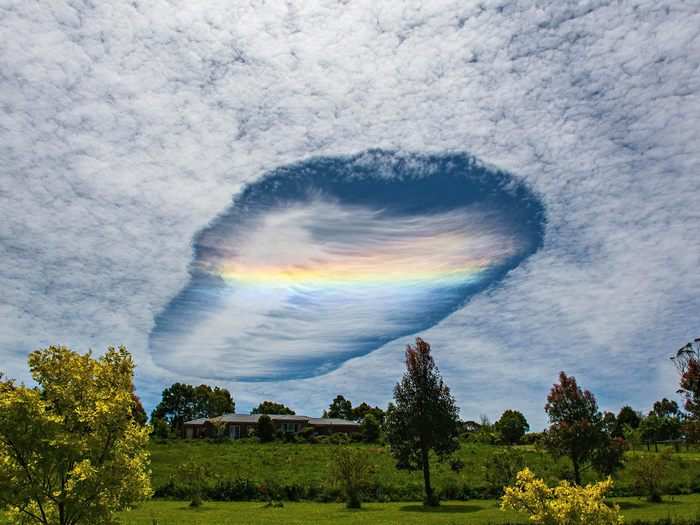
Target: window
(289,427)
(235,431)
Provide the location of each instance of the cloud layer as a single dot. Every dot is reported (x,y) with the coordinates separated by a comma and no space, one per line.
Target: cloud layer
(126,128)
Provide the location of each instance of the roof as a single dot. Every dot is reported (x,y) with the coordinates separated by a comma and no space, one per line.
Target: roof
(329,422)
(248,418)
(253,419)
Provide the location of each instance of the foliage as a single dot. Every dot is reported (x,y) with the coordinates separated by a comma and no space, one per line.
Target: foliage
(181,402)
(340,408)
(564,504)
(363,410)
(138,413)
(265,429)
(628,417)
(351,469)
(424,417)
(70,450)
(576,429)
(194,478)
(650,474)
(161,429)
(370,428)
(512,427)
(271,407)
(502,467)
(608,458)
(687,361)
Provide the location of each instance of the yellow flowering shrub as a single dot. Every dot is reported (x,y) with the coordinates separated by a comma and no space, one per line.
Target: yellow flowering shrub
(565,504)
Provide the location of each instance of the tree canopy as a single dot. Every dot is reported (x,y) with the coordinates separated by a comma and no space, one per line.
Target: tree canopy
(512,426)
(423,417)
(271,407)
(181,402)
(339,408)
(71,451)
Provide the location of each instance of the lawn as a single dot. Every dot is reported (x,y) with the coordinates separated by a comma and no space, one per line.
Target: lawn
(463,512)
(297,466)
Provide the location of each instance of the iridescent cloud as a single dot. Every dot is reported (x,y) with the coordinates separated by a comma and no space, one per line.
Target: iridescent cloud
(330,259)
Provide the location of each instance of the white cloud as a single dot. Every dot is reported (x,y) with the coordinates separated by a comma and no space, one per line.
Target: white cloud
(125,128)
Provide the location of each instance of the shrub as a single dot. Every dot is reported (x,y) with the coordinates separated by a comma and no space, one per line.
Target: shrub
(350,468)
(565,504)
(265,429)
(370,428)
(650,474)
(502,468)
(192,478)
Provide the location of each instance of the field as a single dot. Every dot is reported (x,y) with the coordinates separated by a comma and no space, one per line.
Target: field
(474,512)
(299,471)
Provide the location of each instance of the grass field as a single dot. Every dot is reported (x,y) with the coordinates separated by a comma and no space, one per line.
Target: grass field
(304,465)
(477,512)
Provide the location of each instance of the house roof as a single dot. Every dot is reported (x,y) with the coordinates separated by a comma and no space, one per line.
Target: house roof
(329,422)
(253,419)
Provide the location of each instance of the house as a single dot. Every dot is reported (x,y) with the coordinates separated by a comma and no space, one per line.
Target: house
(242,425)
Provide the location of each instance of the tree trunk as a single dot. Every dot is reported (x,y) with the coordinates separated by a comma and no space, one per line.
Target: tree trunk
(577,471)
(430,499)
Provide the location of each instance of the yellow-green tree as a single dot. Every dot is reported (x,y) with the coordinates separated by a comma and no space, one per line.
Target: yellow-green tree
(70,450)
(565,504)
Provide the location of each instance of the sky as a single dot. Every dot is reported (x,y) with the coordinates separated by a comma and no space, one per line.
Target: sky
(277,197)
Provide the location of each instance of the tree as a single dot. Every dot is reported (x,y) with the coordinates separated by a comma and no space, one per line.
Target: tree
(576,424)
(663,423)
(564,504)
(340,408)
(351,469)
(270,407)
(628,417)
(502,468)
(687,361)
(265,429)
(370,428)
(70,450)
(512,427)
(424,417)
(181,402)
(138,413)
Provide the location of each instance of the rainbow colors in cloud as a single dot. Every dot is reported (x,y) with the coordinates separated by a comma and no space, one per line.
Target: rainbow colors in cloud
(331,259)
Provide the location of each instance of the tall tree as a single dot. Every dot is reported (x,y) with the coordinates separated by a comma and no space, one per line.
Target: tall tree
(628,417)
(340,408)
(423,417)
(512,426)
(271,407)
(687,361)
(70,449)
(575,423)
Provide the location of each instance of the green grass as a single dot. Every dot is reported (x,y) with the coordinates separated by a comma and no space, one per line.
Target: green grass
(463,512)
(296,464)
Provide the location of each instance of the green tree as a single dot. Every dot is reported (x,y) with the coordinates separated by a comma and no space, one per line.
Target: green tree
(271,407)
(575,424)
(628,417)
(70,449)
(340,408)
(512,427)
(351,469)
(265,429)
(424,416)
(181,402)
(370,428)
(650,474)
(502,468)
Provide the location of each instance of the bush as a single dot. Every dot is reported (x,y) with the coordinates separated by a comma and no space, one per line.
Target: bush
(565,504)
(265,429)
(193,479)
(650,474)
(370,429)
(350,469)
(502,468)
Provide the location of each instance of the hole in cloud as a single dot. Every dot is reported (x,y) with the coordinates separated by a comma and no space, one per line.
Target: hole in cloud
(329,259)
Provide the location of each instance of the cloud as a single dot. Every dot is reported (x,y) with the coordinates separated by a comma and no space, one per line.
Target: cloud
(125,129)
